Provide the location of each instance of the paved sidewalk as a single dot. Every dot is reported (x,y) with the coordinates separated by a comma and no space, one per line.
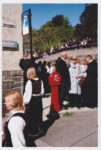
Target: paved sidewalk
(78,130)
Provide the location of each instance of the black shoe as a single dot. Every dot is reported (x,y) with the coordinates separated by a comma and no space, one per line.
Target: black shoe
(54,115)
(49,115)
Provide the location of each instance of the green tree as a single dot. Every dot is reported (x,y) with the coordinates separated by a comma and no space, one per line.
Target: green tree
(52,33)
(58,20)
(88,23)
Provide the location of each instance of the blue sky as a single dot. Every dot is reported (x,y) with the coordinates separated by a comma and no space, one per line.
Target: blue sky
(41,13)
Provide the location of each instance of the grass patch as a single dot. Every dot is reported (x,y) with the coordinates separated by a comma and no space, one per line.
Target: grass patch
(68,114)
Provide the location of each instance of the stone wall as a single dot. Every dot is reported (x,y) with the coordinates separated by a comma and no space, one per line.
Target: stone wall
(11,80)
(81,53)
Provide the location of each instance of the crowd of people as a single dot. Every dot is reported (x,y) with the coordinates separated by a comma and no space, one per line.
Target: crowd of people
(68,45)
(70,81)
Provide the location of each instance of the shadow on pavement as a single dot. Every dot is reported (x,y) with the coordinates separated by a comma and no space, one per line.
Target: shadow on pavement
(46,125)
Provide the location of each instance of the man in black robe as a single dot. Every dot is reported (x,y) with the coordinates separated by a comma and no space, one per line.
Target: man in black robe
(91,82)
(26,63)
(62,69)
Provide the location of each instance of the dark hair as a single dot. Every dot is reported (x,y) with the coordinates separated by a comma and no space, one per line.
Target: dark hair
(39,63)
(89,56)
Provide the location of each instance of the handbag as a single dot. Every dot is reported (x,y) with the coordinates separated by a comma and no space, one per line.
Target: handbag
(81,80)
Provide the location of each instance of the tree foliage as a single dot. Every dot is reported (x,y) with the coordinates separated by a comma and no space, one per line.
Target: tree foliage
(58,20)
(52,33)
(88,23)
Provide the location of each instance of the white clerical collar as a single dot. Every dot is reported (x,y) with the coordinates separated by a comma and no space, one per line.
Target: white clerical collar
(90,61)
(63,59)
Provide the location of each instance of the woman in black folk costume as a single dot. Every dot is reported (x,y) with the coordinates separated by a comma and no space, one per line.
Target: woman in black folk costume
(33,101)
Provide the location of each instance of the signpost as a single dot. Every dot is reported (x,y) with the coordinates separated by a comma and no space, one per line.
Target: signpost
(26,26)
(25,23)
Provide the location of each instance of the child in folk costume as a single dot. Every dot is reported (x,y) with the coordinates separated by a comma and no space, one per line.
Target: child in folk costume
(15,131)
(54,81)
(33,101)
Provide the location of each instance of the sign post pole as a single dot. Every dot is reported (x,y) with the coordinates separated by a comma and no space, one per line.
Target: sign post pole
(30,31)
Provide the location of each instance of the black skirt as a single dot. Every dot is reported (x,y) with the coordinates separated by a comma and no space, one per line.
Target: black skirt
(34,114)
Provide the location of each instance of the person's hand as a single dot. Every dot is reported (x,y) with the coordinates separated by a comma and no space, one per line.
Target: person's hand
(85,67)
(77,76)
(79,79)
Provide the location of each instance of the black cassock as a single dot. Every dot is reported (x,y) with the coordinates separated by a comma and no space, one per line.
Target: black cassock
(62,69)
(25,64)
(91,84)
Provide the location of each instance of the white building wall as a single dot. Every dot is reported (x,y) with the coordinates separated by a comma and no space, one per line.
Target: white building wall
(11,14)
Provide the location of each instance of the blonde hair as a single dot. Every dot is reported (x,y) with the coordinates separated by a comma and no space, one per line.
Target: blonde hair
(52,64)
(31,73)
(80,61)
(15,99)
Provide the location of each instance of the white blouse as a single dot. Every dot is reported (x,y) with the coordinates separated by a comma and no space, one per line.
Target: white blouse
(16,126)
